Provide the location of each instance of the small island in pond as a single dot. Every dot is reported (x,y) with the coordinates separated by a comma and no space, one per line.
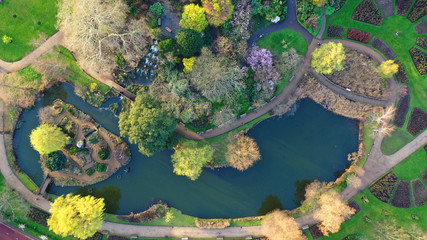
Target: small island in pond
(90,154)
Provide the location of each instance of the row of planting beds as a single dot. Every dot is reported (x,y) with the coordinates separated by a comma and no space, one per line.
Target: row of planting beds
(358,35)
(419,191)
(402,196)
(418,10)
(420,59)
(417,121)
(335,31)
(383,188)
(383,47)
(421,27)
(401,73)
(402,7)
(386,7)
(422,42)
(367,12)
(402,109)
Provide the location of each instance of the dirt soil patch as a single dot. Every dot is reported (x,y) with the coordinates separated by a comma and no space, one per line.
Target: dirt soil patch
(383,188)
(360,75)
(421,27)
(402,196)
(383,47)
(417,121)
(402,110)
(419,191)
(402,7)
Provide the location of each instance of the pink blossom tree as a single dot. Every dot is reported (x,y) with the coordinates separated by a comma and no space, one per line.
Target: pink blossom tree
(241,22)
(261,60)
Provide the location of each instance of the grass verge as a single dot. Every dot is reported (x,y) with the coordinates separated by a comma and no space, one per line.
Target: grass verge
(396,141)
(413,166)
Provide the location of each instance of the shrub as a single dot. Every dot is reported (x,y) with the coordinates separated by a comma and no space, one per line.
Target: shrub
(157,8)
(120,61)
(38,216)
(73,150)
(417,121)
(189,42)
(402,7)
(188,64)
(422,42)
(383,188)
(55,161)
(387,68)
(93,139)
(103,153)
(166,45)
(305,10)
(100,167)
(418,10)
(90,171)
(6,39)
(367,12)
(420,59)
(193,18)
(358,35)
(402,197)
(335,31)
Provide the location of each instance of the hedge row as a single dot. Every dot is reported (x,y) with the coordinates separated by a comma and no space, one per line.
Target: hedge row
(402,7)
(418,11)
(367,12)
(335,31)
(383,188)
(358,35)
(420,59)
(402,110)
(402,196)
(417,121)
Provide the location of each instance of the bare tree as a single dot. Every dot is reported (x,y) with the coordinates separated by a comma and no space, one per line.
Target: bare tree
(278,226)
(243,153)
(37,41)
(98,30)
(354,181)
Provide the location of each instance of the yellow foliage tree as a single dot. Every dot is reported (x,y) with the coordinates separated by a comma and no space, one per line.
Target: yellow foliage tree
(328,58)
(387,68)
(332,212)
(47,138)
(188,64)
(76,215)
(278,226)
(218,11)
(319,3)
(193,18)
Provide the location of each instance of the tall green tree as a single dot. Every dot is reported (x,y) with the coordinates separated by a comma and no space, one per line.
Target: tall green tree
(190,157)
(193,18)
(147,125)
(76,215)
(189,42)
(328,58)
(47,138)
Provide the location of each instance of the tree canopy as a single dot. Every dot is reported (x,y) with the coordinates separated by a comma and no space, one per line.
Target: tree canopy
(47,138)
(190,157)
(387,68)
(76,215)
(218,11)
(278,226)
(55,161)
(147,125)
(329,57)
(189,42)
(243,153)
(193,18)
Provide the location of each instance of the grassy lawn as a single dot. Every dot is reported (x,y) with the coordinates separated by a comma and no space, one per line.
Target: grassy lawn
(397,140)
(368,141)
(25,26)
(282,41)
(400,44)
(413,166)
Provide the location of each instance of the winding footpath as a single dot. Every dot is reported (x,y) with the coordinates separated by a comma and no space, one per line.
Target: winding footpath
(376,165)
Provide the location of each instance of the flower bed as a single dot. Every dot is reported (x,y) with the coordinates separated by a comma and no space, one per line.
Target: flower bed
(401,73)
(386,7)
(419,191)
(335,31)
(402,7)
(383,47)
(417,122)
(418,10)
(315,232)
(420,59)
(402,196)
(367,12)
(421,27)
(383,188)
(422,42)
(358,35)
(402,110)
(38,216)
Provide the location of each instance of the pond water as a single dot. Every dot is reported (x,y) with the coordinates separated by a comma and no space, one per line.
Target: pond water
(312,143)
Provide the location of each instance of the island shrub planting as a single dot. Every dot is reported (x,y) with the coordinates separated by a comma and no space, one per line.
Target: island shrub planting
(419,58)
(402,7)
(402,196)
(367,12)
(422,42)
(383,188)
(358,35)
(417,121)
(418,10)
(335,31)
(419,191)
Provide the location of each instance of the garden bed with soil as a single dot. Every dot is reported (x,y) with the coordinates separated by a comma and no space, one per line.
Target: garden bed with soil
(418,10)
(358,35)
(402,7)
(367,12)
(360,75)
(93,155)
(335,31)
(383,188)
(386,7)
(422,42)
(421,27)
(402,110)
(419,192)
(383,47)
(402,196)
(419,58)
(401,73)
(417,121)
